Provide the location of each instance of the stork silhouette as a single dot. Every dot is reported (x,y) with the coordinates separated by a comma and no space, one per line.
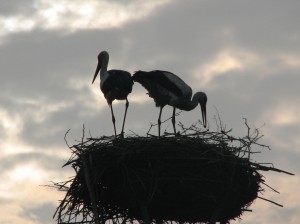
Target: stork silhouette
(115,85)
(168,89)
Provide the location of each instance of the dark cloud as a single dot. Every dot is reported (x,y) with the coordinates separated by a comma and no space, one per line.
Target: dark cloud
(39,65)
(48,162)
(51,131)
(16,7)
(35,63)
(40,214)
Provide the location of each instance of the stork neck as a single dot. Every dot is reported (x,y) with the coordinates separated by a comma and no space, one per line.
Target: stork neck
(190,105)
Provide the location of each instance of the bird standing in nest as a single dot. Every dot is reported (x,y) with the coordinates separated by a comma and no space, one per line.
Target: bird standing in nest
(115,85)
(168,89)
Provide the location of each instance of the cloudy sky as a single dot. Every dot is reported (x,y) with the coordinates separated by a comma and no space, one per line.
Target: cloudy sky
(244,54)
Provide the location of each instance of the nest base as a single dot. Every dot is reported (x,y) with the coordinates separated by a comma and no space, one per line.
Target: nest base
(199,177)
(178,179)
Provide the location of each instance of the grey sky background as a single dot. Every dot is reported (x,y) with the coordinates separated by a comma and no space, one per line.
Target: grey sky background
(244,54)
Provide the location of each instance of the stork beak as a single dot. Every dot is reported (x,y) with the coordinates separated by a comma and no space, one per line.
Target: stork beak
(96,72)
(203,111)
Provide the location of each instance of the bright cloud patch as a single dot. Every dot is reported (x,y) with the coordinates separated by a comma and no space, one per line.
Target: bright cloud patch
(282,122)
(16,23)
(73,15)
(284,114)
(290,60)
(9,123)
(28,173)
(225,62)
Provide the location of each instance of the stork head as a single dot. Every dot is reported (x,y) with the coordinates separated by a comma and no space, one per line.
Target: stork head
(202,98)
(103,58)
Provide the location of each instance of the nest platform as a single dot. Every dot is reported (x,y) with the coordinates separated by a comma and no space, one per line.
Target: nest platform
(189,178)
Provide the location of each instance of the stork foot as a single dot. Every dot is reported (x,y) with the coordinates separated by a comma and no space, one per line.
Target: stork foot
(177,133)
(121,135)
(154,136)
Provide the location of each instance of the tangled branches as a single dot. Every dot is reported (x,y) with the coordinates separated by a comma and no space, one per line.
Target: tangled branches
(197,176)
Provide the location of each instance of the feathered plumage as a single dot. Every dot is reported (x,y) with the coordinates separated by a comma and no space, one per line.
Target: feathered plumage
(115,85)
(168,89)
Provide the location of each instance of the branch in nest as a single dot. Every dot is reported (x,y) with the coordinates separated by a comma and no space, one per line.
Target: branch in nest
(184,178)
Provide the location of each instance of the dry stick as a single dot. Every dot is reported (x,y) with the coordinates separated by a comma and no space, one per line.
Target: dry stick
(89,183)
(90,189)
(265,168)
(246,210)
(219,137)
(271,201)
(145,214)
(271,188)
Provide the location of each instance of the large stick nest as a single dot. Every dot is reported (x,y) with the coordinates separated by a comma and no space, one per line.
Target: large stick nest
(187,178)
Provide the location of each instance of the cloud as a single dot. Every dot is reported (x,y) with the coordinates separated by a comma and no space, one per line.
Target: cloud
(22,196)
(290,60)
(265,212)
(39,213)
(10,123)
(225,63)
(244,55)
(284,114)
(71,16)
(51,80)
(16,7)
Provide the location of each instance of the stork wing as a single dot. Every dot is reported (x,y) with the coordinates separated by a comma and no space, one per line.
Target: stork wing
(157,80)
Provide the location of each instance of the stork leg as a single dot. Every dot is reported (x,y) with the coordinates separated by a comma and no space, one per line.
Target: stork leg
(173,120)
(126,107)
(113,119)
(159,121)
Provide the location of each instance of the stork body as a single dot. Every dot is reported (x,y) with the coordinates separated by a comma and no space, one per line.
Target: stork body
(114,84)
(168,89)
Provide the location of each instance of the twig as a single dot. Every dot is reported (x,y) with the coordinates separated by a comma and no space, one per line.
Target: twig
(91,190)
(106,152)
(65,138)
(270,187)
(89,184)
(270,201)
(265,168)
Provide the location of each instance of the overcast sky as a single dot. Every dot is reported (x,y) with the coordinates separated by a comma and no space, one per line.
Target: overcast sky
(244,54)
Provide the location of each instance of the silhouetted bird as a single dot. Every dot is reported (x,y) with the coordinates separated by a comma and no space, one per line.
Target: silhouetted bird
(115,85)
(166,88)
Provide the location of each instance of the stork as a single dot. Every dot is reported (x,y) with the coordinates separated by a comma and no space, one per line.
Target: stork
(168,89)
(115,85)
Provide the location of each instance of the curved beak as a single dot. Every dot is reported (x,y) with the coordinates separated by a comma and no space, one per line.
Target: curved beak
(203,111)
(96,72)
